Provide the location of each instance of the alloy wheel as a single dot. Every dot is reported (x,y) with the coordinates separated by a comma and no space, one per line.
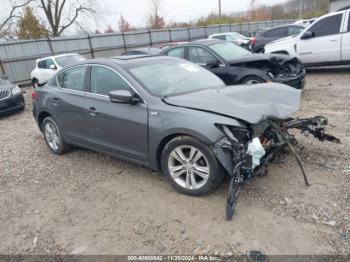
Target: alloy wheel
(52,137)
(188,167)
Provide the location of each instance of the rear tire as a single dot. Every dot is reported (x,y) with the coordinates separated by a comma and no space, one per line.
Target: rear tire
(53,137)
(198,173)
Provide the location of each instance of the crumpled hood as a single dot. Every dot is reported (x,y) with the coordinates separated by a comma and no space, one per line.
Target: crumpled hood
(277,59)
(248,103)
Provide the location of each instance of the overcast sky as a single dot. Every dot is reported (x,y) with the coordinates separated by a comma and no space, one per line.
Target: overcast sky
(135,11)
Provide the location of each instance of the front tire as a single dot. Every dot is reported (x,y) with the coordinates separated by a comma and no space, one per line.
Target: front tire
(53,137)
(252,80)
(190,166)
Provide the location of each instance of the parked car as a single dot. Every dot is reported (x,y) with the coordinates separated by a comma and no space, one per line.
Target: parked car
(46,67)
(144,109)
(325,42)
(11,97)
(164,46)
(143,51)
(305,22)
(235,38)
(270,35)
(236,65)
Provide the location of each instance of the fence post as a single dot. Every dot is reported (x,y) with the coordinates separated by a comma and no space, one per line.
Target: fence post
(91,49)
(170,37)
(189,34)
(2,68)
(124,42)
(50,45)
(150,38)
(205,31)
(230,27)
(240,27)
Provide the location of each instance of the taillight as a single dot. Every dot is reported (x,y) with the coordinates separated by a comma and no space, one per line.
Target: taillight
(253,41)
(35,95)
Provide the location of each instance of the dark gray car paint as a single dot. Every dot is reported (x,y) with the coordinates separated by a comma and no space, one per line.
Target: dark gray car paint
(251,104)
(138,132)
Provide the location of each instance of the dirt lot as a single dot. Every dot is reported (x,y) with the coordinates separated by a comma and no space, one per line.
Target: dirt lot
(90,203)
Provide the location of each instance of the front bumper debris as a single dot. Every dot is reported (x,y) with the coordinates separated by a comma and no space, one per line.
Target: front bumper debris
(250,151)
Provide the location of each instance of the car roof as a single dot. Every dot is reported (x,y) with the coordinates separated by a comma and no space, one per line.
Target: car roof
(125,60)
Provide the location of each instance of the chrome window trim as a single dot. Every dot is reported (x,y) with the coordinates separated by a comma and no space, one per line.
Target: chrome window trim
(127,81)
(70,68)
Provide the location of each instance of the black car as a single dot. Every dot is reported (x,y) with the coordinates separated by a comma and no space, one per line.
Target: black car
(267,36)
(236,65)
(11,97)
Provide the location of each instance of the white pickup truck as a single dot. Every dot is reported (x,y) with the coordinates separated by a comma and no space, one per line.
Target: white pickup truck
(325,42)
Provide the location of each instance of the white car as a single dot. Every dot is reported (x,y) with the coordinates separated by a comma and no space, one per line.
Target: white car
(45,68)
(325,42)
(233,37)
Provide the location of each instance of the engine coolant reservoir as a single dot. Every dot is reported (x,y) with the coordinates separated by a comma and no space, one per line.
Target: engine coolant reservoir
(256,150)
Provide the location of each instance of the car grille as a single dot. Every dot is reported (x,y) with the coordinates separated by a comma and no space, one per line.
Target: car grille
(4,94)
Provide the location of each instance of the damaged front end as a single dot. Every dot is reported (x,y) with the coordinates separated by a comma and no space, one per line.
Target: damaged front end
(245,153)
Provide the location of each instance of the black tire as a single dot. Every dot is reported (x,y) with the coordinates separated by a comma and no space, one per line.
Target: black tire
(62,146)
(216,172)
(35,83)
(248,80)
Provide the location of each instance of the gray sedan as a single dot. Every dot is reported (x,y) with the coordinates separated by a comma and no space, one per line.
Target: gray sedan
(170,115)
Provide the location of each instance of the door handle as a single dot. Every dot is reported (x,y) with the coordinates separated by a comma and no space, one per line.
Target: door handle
(92,111)
(55,100)
(334,40)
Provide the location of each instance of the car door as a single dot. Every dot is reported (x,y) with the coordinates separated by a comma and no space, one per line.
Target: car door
(325,46)
(47,69)
(345,47)
(121,129)
(67,104)
(203,57)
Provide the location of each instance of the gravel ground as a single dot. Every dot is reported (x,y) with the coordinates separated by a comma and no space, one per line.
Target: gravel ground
(89,203)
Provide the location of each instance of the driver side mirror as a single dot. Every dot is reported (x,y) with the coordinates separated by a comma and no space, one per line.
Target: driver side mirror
(213,63)
(5,77)
(308,35)
(53,67)
(124,97)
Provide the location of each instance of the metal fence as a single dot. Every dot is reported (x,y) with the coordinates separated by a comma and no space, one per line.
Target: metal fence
(17,58)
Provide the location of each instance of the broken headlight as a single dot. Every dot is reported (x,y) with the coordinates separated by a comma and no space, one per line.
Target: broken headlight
(236,134)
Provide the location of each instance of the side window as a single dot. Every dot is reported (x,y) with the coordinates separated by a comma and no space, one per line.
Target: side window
(73,79)
(177,52)
(278,32)
(349,22)
(327,26)
(49,63)
(294,30)
(230,38)
(104,80)
(220,37)
(199,55)
(42,64)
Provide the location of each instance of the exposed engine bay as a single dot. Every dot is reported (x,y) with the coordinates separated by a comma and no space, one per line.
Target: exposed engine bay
(252,150)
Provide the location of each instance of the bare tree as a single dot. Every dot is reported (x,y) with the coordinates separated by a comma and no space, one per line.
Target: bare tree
(155,21)
(124,25)
(7,23)
(62,14)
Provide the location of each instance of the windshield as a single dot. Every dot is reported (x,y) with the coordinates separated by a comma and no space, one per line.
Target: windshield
(229,51)
(173,76)
(64,61)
